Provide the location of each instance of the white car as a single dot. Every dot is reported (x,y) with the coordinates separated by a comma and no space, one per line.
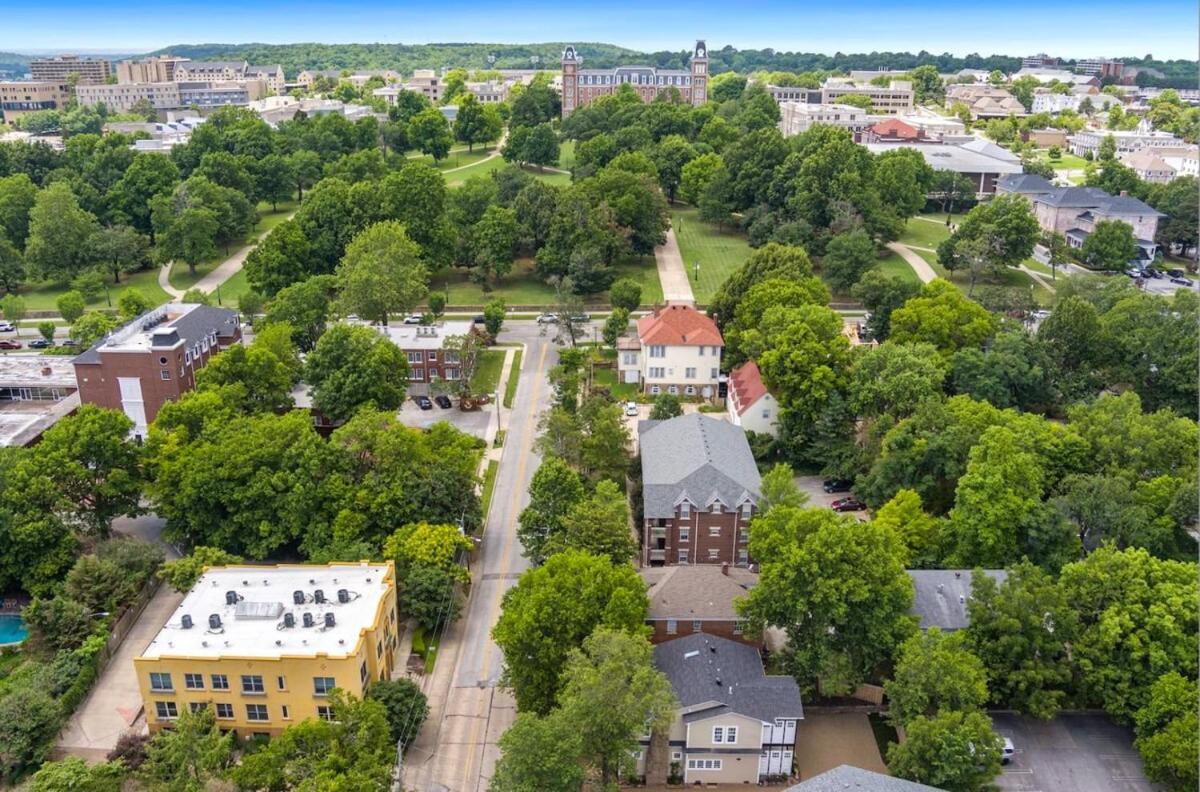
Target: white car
(548,318)
(1006,753)
(412,319)
(631,409)
(6,327)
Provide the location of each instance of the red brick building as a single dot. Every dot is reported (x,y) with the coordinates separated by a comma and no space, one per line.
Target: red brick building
(696,599)
(581,86)
(894,130)
(425,348)
(700,488)
(153,359)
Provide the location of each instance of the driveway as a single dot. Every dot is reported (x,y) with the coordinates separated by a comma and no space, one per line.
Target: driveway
(824,741)
(473,423)
(115,703)
(1075,752)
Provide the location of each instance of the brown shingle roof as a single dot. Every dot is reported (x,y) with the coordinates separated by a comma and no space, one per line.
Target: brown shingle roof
(696,592)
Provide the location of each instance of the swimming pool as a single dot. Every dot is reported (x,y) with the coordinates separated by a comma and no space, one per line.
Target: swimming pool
(12,629)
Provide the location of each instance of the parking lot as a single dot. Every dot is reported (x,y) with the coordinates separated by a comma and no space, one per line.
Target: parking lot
(1075,752)
(473,423)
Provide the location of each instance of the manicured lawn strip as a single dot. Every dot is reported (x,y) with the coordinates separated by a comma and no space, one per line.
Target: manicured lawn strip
(489,485)
(487,373)
(924,234)
(522,286)
(894,266)
(43,296)
(718,252)
(550,177)
(642,269)
(514,377)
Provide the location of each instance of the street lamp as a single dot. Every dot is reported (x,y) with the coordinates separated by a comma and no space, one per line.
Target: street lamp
(696,269)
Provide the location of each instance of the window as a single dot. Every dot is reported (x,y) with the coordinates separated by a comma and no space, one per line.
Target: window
(713,374)
(698,626)
(193,681)
(256,712)
(747,508)
(252,683)
(683,556)
(673,390)
(685,534)
(416,374)
(160,681)
(766,413)
(164,374)
(685,509)
(286,713)
(737,628)
(689,373)
(362,671)
(657,351)
(166,710)
(432,356)
(196,706)
(672,627)
(224,711)
(281,682)
(658,372)
(690,390)
(676,756)
(322,685)
(714,554)
(629,358)
(655,390)
(413,357)
(325,713)
(220,682)
(452,373)
(702,348)
(731,734)
(714,530)
(379,648)
(704,764)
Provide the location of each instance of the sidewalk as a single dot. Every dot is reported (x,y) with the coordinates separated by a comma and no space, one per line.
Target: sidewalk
(919,265)
(675,285)
(221,273)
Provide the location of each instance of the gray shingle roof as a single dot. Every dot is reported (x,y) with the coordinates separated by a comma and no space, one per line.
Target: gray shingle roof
(713,674)
(1027,183)
(698,457)
(1095,198)
(192,327)
(845,778)
(699,591)
(941,595)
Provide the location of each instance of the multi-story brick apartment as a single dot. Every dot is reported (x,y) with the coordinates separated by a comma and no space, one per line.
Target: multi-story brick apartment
(581,86)
(157,69)
(121,98)
(1039,61)
(895,97)
(20,97)
(696,599)
(230,71)
(87,71)
(263,646)
(425,347)
(153,359)
(735,724)
(677,350)
(798,117)
(700,488)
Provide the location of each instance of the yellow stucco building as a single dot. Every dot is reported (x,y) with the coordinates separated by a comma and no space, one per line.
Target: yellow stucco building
(263,645)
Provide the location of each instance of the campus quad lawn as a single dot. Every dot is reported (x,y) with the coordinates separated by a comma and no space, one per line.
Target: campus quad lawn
(183,279)
(718,251)
(522,286)
(894,266)
(487,372)
(922,233)
(1065,162)
(43,296)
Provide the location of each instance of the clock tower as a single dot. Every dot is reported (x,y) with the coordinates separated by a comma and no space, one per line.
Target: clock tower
(699,74)
(570,80)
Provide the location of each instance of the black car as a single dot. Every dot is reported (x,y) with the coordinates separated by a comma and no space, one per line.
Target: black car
(70,342)
(1152,273)
(423,402)
(1181,281)
(836,485)
(479,319)
(1176,273)
(848,505)
(443,401)
(40,343)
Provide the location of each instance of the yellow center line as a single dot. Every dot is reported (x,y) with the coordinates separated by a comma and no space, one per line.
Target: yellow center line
(524,447)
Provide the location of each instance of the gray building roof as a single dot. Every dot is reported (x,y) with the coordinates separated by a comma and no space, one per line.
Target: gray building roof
(845,778)
(1095,198)
(711,675)
(946,157)
(941,596)
(700,591)
(197,65)
(1024,183)
(192,327)
(698,458)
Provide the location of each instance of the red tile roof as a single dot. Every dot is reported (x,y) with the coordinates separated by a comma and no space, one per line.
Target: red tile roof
(678,325)
(746,386)
(895,128)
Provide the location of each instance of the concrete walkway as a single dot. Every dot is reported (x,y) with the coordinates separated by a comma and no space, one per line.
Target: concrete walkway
(671,273)
(1039,277)
(115,703)
(919,265)
(221,273)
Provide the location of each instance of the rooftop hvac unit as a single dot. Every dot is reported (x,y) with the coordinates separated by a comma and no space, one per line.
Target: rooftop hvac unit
(231,598)
(186,621)
(308,620)
(214,621)
(329,621)
(319,596)
(289,620)
(343,596)
(298,597)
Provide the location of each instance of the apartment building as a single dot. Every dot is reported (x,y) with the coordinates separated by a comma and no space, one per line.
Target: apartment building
(429,360)
(985,101)
(582,86)
(425,82)
(153,359)
(1039,61)
(231,71)
(1100,67)
(677,350)
(1046,101)
(490,91)
(158,69)
(791,93)
(86,71)
(940,596)
(207,95)
(121,98)
(895,97)
(307,78)
(272,75)
(700,489)
(19,97)
(735,724)
(798,117)
(1087,141)
(264,646)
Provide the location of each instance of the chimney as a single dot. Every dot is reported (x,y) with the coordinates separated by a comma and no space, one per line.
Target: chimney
(725,569)
(46,371)
(1124,193)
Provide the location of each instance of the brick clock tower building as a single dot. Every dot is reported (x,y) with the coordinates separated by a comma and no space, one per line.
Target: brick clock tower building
(581,86)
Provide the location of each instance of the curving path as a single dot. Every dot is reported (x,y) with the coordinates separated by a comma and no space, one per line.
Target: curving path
(221,273)
(914,260)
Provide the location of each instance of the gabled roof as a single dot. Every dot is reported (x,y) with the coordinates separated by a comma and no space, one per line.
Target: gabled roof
(1095,198)
(695,456)
(894,127)
(991,149)
(845,778)
(746,384)
(697,591)
(941,595)
(712,675)
(678,325)
(1024,183)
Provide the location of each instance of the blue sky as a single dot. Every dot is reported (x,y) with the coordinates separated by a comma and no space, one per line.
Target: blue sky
(1070,28)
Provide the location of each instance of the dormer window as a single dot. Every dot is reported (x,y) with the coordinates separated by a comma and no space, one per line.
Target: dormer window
(685,509)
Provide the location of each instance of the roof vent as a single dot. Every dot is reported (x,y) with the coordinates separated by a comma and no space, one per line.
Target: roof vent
(231,597)
(186,621)
(343,596)
(298,597)
(312,582)
(308,620)
(214,621)
(319,596)
(289,620)
(329,621)
(278,642)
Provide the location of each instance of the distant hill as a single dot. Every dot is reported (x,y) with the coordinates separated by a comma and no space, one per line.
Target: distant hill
(13,63)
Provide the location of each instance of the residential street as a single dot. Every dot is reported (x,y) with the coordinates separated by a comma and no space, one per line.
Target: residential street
(456,749)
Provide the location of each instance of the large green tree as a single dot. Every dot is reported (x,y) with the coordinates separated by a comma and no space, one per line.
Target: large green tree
(553,492)
(381,273)
(935,672)
(58,247)
(353,366)
(941,315)
(953,750)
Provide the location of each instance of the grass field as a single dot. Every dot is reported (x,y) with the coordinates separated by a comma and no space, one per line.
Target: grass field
(43,296)
(268,218)
(921,233)
(607,378)
(523,287)
(894,266)
(718,252)
(487,373)
(489,485)
(1065,162)
(514,376)
(566,155)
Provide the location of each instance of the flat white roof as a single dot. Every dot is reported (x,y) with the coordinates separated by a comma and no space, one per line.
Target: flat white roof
(42,371)
(425,336)
(255,625)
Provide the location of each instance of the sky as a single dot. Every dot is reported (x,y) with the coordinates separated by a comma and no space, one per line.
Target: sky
(1066,28)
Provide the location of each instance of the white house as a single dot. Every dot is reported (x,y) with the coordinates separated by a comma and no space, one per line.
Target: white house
(677,351)
(750,405)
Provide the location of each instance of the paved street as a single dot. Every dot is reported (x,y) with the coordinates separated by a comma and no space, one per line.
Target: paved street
(456,749)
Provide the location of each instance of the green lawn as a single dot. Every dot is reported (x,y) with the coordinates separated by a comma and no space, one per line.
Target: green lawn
(232,289)
(1066,162)
(182,278)
(924,234)
(894,266)
(566,155)
(514,377)
(644,270)
(718,252)
(607,378)
(550,177)
(487,373)
(458,158)
(523,287)
(42,297)
(489,485)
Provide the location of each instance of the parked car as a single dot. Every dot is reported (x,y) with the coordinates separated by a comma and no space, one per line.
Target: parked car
(7,327)
(1150,272)
(837,485)
(443,401)
(1176,273)
(548,318)
(40,343)
(414,319)
(580,317)
(8,343)
(423,402)
(69,342)
(1133,273)
(1006,753)
(848,505)
(479,319)
(1181,281)
(631,409)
